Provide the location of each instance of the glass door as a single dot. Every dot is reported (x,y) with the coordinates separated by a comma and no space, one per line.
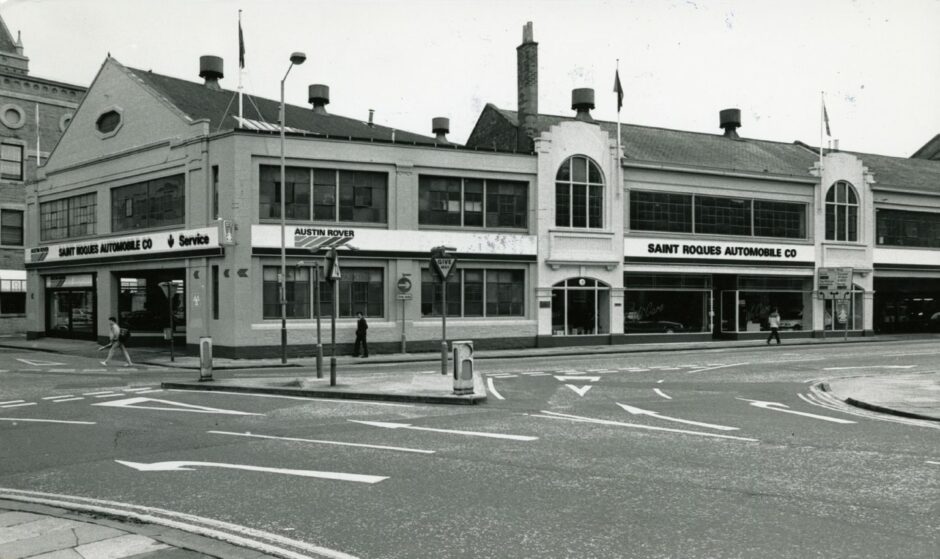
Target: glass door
(70,314)
(58,317)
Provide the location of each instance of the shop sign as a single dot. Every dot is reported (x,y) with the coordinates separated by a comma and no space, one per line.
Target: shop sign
(115,247)
(719,250)
(835,283)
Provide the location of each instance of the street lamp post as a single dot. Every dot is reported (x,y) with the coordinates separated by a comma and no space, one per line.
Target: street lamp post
(296,58)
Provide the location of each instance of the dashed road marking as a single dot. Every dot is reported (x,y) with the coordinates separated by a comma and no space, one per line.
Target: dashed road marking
(67,400)
(97,393)
(19,405)
(338,443)
(18,419)
(12,402)
(57,397)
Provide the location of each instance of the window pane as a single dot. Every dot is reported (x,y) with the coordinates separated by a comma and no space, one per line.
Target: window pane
(901,228)
(362,196)
(505,292)
(506,203)
(473,203)
(594,173)
(473,293)
(579,205)
(595,202)
(656,211)
(268,193)
(779,219)
(830,222)
(853,224)
(53,220)
(840,223)
(297,293)
(164,203)
(11,227)
(129,208)
(11,162)
(564,172)
(432,294)
(579,169)
(562,205)
(324,194)
(439,200)
(722,216)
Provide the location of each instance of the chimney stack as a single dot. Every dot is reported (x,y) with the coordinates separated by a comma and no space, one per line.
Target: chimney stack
(440,126)
(582,100)
(527,81)
(319,95)
(371,114)
(730,120)
(210,68)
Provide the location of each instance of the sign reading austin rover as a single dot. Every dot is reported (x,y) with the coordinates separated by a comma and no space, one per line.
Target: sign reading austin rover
(190,239)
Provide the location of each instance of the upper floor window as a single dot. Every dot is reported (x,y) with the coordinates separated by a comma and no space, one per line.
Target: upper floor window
(474,292)
(913,229)
(148,204)
(11,162)
(714,215)
(326,194)
(841,213)
(472,202)
(11,227)
(579,194)
(68,217)
(108,122)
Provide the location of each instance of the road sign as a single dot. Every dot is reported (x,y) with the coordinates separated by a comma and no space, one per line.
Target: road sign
(404,286)
(333,273)
(443,265)
(835,283)
(404,296)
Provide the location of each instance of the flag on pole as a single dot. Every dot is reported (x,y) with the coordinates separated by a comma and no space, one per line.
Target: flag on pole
(826,119)
(38,134)
(241,42)
(618,89)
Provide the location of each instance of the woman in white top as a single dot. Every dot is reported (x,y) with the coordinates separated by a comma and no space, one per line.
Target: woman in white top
(116,342)
(774,322)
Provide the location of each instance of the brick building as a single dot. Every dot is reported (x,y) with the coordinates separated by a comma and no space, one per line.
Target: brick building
(561,240)
(33,114)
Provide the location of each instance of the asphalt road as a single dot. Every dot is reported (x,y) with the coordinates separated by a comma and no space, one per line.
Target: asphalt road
(719,453)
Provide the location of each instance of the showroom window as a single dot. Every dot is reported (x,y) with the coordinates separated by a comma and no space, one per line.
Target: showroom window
(911,229)
(666,303)
(475,292)
(360,290)
(842,213)
(297,292)
(579,194)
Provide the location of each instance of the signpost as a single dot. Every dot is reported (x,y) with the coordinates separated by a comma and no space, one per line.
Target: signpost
(404,294)
(333,275)
(169,290)
(835,284)
(443,263)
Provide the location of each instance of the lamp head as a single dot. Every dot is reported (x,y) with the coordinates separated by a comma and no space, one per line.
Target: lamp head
(297,58)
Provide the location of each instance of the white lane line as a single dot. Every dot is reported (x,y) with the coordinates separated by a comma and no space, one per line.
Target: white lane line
(61,370)
(186,465)
(109,395)
(12,402)
(330,400)
(869,367)
(67,400)
(18,405)
(97,393)
(138,389)
(502,376)
(148,391)
(141,403)
(663,394)
(94,370)
(537,374)
(660,381)
(777,406)
(932,462)
(242,536)
(17,419)
(57,397)
(337,443)
(492,389)
(637,411)
(576,418)
(712,368)
(388,425)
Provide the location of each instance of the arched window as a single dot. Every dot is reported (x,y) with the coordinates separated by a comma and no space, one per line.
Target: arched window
(579,194)
(841,213)
(580,307)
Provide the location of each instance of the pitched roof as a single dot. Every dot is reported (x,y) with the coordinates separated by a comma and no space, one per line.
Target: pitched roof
(219,107)
(647,144)
(7,44)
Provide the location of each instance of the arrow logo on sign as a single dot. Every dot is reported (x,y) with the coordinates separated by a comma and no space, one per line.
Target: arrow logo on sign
(777,406)
(181,466)
(638,411)
(167,405)
(388,425)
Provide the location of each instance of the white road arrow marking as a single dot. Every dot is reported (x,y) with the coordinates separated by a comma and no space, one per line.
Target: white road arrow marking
(167,405)
(638,411)
(663,394)
(37,363)
(578,378)
(777,406)
(180,465)
(17,419)
(338,443)
(580,390)
(388,425)
(554,415)
(492,389)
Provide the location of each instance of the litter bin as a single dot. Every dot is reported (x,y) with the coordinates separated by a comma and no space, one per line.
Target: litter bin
(205,358)
(463,367)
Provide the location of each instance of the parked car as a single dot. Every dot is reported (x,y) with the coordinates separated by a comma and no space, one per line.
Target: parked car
(652,326)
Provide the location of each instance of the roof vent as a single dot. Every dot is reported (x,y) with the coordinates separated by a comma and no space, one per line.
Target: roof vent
(582,100)
(210,68)
(319,95)
(730,120)
(440,126)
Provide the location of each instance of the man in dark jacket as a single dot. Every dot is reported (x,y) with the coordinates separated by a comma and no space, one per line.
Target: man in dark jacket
(361,327)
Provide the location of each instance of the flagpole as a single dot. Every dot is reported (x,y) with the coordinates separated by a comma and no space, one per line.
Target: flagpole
(240,66)
(822,117)
(37,137)
(619,177)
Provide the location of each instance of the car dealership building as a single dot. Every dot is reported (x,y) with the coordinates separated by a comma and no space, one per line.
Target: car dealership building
(160,204)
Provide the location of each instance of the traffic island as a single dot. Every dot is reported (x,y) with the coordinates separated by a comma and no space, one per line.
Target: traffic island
(911,395)
(425,388)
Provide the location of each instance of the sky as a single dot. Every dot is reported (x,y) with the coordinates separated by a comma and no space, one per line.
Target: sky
(680,61)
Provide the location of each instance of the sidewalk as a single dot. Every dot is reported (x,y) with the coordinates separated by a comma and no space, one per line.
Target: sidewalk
(44,532)
(915,395)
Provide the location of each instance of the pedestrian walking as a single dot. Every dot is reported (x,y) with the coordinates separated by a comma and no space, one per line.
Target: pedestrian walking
(361,327)
(774,322)
(117,342)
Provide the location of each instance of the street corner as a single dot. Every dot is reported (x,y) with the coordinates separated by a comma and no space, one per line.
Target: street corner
(910,395)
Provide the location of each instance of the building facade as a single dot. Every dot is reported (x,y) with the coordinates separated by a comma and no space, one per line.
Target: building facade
(33,114)
(161,208)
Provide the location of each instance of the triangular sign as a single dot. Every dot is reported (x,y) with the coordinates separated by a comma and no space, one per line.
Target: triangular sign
(444,265)
(580,390)
(167,405)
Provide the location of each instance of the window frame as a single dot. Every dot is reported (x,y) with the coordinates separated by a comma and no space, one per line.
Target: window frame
(68,214)
(4,226)
(901,221)
(489,197)
(851,218)
(458,282)
(153,204)
(338,188)
(592,190)
(21,162)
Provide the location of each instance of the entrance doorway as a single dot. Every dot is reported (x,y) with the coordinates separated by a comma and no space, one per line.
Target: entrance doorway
(580,307)
(70,306)
(149,299)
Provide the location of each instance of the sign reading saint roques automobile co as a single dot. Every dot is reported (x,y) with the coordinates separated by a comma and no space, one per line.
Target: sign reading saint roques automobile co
(114,247)
(719,250)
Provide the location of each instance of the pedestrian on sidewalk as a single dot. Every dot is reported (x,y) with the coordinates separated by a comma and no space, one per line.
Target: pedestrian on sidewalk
(361,327)
(116,342)
(774,322)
